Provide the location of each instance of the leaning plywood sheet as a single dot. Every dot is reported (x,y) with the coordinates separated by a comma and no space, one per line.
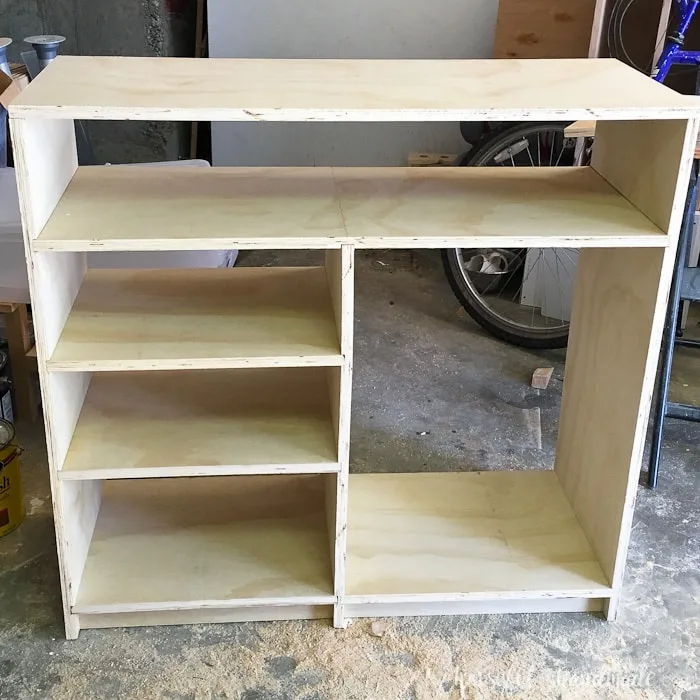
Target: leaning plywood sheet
(545,28)
(86,87)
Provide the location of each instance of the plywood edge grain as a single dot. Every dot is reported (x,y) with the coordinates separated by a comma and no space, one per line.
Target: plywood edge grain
(196,471)
(198,364)
(511,241)
(205,616)
(230,242)
(182,89)
(181,605)
(593,592)
(472,607)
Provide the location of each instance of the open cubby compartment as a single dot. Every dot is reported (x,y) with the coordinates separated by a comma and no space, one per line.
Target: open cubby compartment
(202,422)
(197,318)
(527,541)
(230,546)
(533,541)
(443,543)
(196,371)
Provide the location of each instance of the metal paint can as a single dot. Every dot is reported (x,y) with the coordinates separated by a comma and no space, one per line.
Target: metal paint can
(11,498)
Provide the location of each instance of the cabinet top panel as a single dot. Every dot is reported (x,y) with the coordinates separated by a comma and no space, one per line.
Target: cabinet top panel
(108,87)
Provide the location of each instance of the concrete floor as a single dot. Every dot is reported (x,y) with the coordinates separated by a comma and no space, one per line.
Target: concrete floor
(421,367)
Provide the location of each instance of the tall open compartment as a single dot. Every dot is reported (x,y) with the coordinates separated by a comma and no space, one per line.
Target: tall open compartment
(198,422)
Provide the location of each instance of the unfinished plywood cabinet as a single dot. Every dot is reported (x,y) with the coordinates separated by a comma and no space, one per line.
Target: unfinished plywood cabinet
(198,421)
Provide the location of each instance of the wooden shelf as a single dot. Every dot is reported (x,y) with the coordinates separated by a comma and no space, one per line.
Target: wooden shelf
(159,424)
(451,537)
(171,544)
(199,319)
(484,207)
(182,89)
(210,208)
(173,208)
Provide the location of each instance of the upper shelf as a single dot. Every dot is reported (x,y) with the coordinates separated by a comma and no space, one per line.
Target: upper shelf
(199,319)
(108,87)
(213,208)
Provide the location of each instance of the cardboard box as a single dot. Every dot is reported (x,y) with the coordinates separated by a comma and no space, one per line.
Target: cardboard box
(20,75)
(8,89)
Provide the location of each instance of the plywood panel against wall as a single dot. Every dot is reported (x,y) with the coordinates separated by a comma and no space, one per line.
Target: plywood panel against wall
(544,28)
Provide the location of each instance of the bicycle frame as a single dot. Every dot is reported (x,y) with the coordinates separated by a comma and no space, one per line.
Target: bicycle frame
(673,53)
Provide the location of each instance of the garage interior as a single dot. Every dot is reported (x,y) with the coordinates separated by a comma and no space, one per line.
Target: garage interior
(432,391)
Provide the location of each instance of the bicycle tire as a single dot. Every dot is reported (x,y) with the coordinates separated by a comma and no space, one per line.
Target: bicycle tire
(468,297)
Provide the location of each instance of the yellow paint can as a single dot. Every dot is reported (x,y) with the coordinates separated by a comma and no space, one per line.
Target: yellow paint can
(11,498)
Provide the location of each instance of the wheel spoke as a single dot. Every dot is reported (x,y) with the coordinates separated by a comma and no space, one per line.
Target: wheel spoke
(563,148)
(561,296)
(499,297)
(532,163)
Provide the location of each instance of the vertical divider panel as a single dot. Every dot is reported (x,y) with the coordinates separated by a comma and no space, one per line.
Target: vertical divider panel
(45,161)
(340,270)
(617,323)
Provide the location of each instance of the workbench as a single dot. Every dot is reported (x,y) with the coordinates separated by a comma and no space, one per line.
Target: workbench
(198,421)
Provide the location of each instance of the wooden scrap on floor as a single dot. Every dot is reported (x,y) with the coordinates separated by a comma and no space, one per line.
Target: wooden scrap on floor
(541,377)
(423,160)
(532,418)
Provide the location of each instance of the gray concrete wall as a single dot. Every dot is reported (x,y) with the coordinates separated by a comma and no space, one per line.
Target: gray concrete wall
(117,28)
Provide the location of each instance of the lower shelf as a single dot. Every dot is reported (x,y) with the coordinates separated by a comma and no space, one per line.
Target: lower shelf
(214,542)
(453,537)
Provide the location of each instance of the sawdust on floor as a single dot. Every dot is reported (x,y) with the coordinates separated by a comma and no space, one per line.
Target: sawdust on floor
(319,662)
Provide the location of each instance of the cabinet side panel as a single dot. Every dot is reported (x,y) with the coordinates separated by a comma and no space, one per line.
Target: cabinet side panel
(620,303)
(45,161)
(607,392)
(645,161)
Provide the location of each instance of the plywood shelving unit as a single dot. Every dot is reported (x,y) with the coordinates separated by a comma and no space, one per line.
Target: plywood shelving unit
(198,421)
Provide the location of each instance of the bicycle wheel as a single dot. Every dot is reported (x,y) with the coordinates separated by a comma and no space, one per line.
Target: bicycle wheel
(522,296)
